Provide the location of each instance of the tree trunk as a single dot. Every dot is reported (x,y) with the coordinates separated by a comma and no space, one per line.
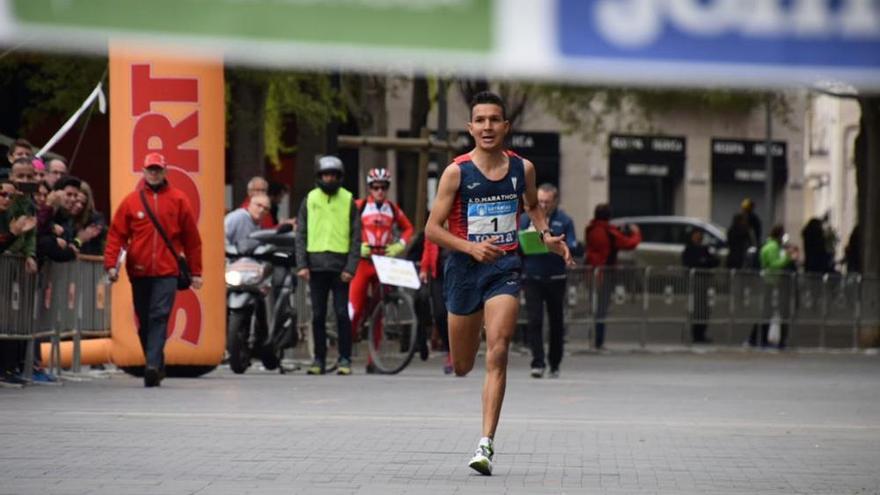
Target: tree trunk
(310,143)
(868,180)
(247,132)
(372,118)
(407,173)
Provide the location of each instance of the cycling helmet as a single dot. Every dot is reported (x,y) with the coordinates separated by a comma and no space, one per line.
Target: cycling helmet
(378,175)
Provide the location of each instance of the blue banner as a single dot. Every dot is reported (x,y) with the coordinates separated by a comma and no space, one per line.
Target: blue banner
(836,34)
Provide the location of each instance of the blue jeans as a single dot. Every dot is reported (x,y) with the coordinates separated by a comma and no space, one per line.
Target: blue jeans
(320,285)
(153,300)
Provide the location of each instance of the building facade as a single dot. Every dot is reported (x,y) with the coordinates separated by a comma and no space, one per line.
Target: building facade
(689,162)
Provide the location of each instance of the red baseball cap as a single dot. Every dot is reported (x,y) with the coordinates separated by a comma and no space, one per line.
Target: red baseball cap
(154,159)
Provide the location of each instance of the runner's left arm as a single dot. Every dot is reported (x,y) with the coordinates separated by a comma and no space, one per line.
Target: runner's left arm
(555,244)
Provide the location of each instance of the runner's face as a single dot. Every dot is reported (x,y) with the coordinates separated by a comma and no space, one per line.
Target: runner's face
(488,126)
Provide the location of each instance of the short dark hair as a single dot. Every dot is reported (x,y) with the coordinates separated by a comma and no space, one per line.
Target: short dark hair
(603,211)
(550,188)
(67,180)
(21,143)
(777,231)
(22,161)
(276,188)
(490,98)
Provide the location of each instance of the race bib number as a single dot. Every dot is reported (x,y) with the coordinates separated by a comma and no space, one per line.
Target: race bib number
(496,219)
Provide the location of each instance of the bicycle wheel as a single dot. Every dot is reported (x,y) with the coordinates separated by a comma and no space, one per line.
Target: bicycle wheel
(393,328)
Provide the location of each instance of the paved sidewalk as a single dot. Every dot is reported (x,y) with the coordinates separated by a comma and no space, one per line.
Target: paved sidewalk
(621,423)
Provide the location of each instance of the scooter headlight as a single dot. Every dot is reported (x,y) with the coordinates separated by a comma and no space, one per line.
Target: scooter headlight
(243,272)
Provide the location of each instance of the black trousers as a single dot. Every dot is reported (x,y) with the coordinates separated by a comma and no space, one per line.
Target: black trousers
(321,285)
(153,301)
(438,308)
(549,292)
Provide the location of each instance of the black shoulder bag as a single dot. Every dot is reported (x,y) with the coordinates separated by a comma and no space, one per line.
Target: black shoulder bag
(184,278)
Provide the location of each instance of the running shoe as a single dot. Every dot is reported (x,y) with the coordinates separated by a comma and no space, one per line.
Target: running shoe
(554,373)
(537,372)
(481,462)
(344,367)
(316,368)
(371,369)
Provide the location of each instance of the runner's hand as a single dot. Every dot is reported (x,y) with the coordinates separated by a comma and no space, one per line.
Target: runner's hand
(423,276)
(196,282)
(113,275)
(486,251)
(557,245)
(346,277)
(303,274)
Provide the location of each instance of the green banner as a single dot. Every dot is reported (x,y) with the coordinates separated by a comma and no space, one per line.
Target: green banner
(446,25)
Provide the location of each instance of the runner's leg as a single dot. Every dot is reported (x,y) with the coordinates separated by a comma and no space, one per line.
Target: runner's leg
(500,316)
(464,340)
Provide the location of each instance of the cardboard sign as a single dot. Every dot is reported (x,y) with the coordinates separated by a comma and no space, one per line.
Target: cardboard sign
(396,271)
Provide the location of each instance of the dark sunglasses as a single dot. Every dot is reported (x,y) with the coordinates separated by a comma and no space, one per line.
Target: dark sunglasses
(4,194)
(379,188)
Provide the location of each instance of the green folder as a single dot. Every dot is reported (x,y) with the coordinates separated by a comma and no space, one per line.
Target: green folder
(530,242)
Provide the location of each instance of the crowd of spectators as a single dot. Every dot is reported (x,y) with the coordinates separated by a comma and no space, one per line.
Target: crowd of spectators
(46,214)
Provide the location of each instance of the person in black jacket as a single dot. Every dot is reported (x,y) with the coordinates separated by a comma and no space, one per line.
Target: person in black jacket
(699,256)
(817,257)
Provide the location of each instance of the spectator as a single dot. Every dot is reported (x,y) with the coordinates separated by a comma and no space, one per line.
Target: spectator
(699,256)
(56,168)
(747,209)
(151,265)
(57,235)
(20,148)
(22,213)
(544,283)
(241,222)
(277,193)
(259,185)
(603,242)
(327,254)
(18,223)
(89,225)
(817,257)
(776,257)
(744,237)
(11,229)
(39,169)
(854,251)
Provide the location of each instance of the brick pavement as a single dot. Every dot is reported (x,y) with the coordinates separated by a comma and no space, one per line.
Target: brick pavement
(670,423)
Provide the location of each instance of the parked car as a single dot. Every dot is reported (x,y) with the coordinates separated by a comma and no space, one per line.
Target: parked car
(664,238)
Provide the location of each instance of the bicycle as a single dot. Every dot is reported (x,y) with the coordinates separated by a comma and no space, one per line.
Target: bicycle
(390,328)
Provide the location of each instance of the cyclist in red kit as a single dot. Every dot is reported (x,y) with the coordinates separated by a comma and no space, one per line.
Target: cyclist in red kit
(379,216)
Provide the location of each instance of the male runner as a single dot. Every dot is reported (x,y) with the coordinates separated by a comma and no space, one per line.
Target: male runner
(480,195)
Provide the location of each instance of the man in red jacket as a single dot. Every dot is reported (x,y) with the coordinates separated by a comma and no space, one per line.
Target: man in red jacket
(603,241)
(151,265)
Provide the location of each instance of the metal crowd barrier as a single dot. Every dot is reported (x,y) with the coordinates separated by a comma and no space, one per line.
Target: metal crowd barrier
(19,296)
(817,310)
(63,301)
